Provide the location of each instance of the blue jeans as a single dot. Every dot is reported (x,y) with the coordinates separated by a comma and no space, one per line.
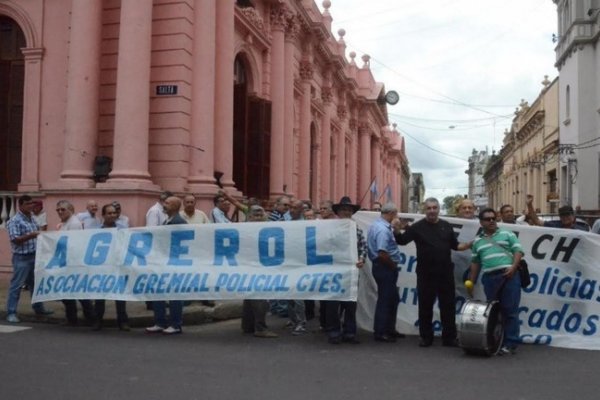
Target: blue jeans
(386,308)
(23,266)
(509,298)
(175,313)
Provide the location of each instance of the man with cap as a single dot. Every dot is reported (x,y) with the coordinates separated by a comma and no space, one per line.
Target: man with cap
(565,213)
(334,309)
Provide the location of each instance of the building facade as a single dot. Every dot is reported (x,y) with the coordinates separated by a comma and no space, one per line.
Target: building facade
(578,63)
(528,162)
(416,192)
(254,96)
(477,163)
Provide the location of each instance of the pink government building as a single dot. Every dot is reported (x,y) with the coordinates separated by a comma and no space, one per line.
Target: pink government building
(184,95)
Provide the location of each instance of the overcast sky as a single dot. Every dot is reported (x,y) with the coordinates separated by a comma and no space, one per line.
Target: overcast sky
(461,68)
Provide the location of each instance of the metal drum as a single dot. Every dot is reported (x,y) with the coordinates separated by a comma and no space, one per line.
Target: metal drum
(480,327)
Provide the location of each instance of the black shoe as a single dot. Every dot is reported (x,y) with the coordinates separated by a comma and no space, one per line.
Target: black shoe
(97,326)
(43,312)
(398,335)
(124,327)
(425,342)
(450,343)
(350,339)
(385,338)
(334,340)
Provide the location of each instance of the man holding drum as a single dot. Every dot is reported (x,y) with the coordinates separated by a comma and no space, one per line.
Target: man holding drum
(497,253)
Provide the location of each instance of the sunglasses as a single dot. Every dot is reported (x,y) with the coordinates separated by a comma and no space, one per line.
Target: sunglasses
(489,219)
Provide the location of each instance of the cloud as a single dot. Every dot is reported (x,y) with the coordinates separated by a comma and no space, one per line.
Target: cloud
(461,68)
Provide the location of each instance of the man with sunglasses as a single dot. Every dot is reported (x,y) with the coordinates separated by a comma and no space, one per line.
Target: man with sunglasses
(281,209)
(497,253)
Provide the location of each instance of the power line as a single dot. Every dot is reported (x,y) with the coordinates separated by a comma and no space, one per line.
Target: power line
(432,149)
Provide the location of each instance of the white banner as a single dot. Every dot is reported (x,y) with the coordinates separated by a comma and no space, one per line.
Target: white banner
(561,307)
(270,260)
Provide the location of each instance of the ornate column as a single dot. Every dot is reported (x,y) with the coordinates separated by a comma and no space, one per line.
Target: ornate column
(365,165)
(31,120)
(291,34)
(325,172)
(279,16)
(202,138)
(82,93)
(340,183)
(353,169)
(223,108)
(306,74)
(376,165)
(131,138)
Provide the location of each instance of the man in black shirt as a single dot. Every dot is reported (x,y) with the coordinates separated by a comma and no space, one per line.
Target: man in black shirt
(434,239)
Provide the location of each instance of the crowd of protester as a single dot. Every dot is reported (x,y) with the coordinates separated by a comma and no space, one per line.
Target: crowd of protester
(433,237)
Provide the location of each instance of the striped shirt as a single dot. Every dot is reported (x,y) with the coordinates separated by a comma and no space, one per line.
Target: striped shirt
(21,225)
(497,255)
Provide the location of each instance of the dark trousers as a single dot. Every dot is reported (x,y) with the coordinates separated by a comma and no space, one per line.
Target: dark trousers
(99,307)
(335,311)
(71,310)
(254,313)
(387,299)
(429,287)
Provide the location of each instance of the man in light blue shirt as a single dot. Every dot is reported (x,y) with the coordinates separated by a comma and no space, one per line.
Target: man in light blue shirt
(385,256)
(88,218)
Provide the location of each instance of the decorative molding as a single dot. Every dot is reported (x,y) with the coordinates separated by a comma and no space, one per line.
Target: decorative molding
(306,70)
(254,17)
(327,94)
(280,15)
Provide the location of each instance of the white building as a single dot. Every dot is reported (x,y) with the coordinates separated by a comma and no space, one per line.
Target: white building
(477,164)
(578,63)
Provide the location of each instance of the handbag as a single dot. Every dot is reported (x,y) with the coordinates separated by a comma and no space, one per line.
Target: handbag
(524,274)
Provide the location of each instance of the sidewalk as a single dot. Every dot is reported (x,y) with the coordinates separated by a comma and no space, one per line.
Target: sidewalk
(139,316)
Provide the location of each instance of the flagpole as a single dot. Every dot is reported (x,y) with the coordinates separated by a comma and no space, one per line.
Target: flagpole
(368,190)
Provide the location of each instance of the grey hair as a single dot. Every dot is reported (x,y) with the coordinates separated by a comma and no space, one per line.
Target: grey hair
(66,204)
(432,200)
(388,208)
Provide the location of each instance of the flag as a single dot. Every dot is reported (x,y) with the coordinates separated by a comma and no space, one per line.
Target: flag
(388,193)
(373,188)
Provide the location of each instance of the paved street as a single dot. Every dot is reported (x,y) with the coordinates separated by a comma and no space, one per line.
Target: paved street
(216,361)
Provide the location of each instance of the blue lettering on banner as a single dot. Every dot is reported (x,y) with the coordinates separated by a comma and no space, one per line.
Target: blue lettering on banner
(227,245)
(275,236)
(140,244)
(320,282)
(59,259)
(76,284)
(312,258)
(97,249)
(177,249)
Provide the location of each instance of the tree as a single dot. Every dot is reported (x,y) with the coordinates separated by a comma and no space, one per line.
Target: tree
(450,203)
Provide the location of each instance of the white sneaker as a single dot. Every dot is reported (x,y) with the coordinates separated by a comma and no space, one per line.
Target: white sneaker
(171,331)
(299,330)
(504,350)
(12,318)
(155,329)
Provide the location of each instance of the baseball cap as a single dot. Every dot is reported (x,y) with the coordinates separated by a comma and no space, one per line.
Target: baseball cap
(566,210)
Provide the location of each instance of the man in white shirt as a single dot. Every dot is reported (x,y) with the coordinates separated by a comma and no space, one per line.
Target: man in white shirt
(220,213)
(156,215)
(70,222)
(88,218)
(39,215)
(190,213)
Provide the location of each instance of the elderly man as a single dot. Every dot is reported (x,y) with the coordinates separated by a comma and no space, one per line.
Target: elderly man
(254,312)
(385,256)
(156,215)
(497,253)
(70,222)
(466,209)
(326,210)
(190,213)
(434,239)
(22,233)
(89,218)
(161,325)
(280,210)
(346,332)
(565,213)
